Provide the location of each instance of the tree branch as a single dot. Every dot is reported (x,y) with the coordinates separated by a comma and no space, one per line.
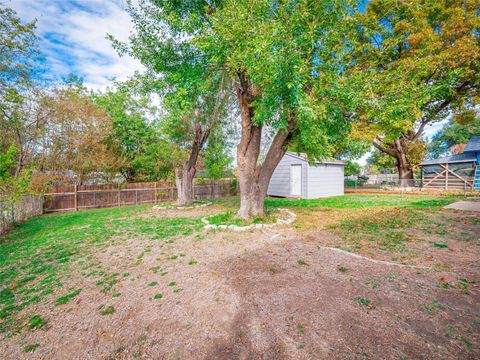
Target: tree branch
(384,149)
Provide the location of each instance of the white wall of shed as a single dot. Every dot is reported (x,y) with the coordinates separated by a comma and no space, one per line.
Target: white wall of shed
(325,180)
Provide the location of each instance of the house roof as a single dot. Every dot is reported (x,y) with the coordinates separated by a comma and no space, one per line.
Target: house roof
(327,161)
(473,145)
(465,157)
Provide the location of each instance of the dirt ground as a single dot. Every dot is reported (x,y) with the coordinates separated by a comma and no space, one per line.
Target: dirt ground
(279,293)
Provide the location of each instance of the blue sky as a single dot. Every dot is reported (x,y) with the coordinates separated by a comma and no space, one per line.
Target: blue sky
(73,37)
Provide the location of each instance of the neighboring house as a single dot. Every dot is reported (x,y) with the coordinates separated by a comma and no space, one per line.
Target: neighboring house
(461,171)
(295,177)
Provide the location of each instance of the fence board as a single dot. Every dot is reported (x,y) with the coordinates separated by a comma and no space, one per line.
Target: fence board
(67,198)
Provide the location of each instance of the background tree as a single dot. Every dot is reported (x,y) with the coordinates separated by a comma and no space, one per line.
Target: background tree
(20,124)
(135,134)
(77,141)
(352,168)
(191,117)
(380,163)
(12,187)
(419,61)
(216,155)
(459,130)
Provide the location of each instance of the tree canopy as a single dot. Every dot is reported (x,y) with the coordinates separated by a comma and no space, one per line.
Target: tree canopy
(419,62)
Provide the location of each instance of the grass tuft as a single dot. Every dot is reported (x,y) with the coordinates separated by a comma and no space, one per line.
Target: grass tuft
(66,298)
(30,348)
(36,322)
(109,310)
(362,301)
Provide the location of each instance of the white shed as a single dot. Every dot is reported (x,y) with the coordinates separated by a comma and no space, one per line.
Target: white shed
(295,177)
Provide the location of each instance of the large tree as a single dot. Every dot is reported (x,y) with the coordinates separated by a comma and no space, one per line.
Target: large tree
(419,62)
(284,60)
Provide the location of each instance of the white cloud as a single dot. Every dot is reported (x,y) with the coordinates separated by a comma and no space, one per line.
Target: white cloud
(74,38)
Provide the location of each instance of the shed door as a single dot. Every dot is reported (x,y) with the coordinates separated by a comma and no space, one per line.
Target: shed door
(296,180)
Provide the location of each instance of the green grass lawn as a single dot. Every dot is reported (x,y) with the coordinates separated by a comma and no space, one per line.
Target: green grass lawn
(35,255)
(354,201)
(357,201)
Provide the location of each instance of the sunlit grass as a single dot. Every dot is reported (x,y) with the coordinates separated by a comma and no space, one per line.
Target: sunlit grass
(36,256)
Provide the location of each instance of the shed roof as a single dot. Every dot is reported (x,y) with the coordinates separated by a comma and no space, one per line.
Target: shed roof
(327,161)
(451,159)
(473,145)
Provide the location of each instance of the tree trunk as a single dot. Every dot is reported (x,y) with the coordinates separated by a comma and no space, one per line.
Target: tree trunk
(184,175)
(396,149)
(405,175)
(405,170)
(184,181)
(253,177)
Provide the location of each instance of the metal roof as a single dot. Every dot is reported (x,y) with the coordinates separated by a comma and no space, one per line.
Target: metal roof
(473,145)
(327,161)
(451,159)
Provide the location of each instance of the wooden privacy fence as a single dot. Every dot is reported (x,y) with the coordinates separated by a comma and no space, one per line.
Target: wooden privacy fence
(73,197)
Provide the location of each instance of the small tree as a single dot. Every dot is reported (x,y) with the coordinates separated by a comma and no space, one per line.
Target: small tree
(12,187)
(136,136)
(352,168)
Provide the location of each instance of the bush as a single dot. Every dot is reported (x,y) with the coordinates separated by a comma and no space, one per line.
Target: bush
(362,179)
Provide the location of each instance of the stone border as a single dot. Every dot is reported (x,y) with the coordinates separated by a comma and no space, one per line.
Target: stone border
(164,206)
(288,221)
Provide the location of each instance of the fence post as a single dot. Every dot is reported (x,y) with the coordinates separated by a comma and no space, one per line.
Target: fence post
(446,177)
(136,197)
(94,198)
(155,192)
(118,196)
(76,198)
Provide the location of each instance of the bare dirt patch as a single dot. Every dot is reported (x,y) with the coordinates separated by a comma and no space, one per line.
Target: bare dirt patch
(190,213)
